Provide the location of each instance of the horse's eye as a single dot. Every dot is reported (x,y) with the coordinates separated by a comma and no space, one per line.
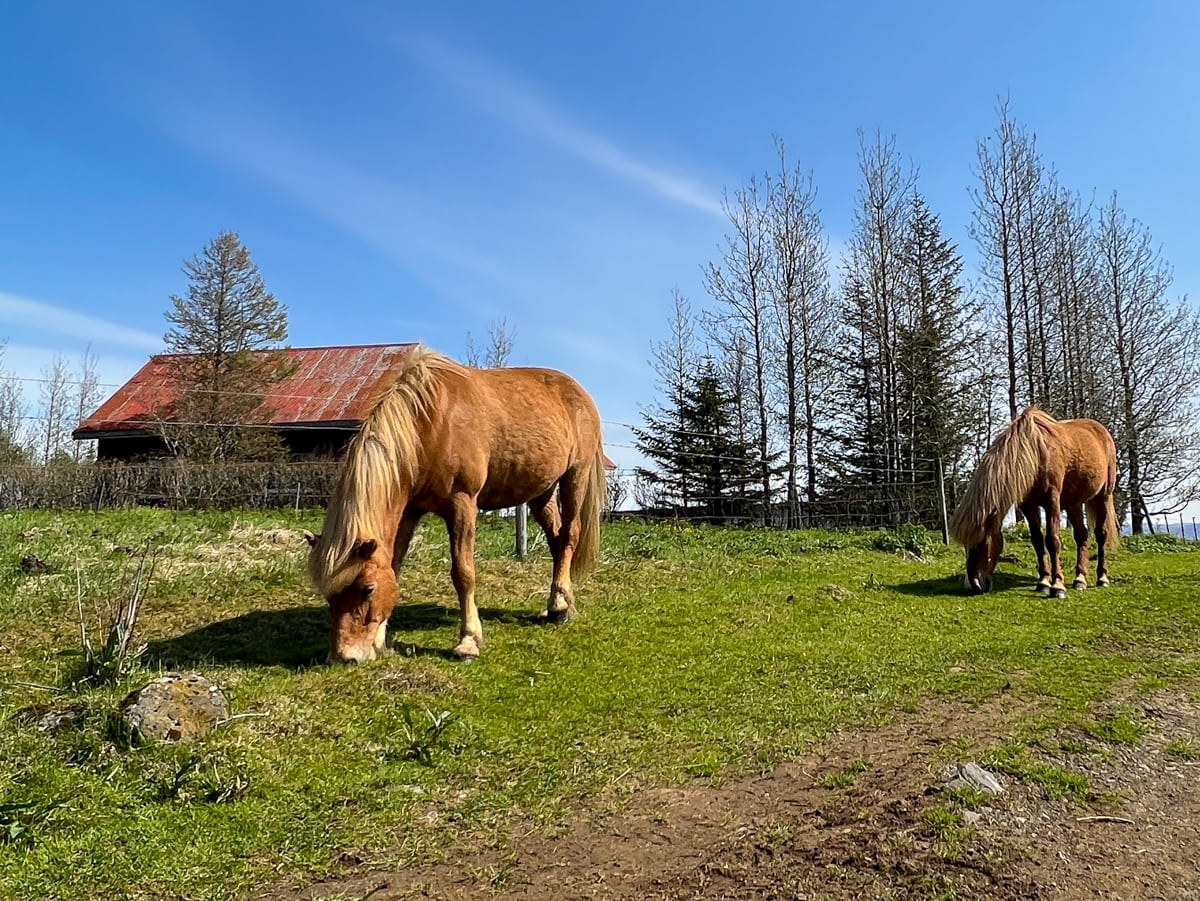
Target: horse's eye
(367,589)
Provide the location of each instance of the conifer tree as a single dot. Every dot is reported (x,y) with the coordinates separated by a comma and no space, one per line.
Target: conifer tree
(226,334)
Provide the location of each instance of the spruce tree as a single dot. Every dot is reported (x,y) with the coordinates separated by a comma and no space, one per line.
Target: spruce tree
(226,334)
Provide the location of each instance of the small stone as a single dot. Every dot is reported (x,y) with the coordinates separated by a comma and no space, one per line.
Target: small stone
(175,707)
(52,718)
(972,775)
(972,817)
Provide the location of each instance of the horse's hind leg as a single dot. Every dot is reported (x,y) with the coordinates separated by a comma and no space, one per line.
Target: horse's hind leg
(1098,513)
(1033,516)
(460,524)
(561,603)
(1079,528)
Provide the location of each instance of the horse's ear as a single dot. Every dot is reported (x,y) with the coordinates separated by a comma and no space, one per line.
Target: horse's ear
(311,538)
(366,548)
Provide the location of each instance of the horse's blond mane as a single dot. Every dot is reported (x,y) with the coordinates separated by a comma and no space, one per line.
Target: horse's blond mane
(379,462)
(1004,476)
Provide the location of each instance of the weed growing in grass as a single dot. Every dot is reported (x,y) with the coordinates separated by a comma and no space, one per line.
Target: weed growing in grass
(20,821)
(203,776)
(423,738)
(115,658)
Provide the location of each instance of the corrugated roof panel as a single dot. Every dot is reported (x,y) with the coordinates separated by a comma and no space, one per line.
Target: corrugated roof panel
(330,384)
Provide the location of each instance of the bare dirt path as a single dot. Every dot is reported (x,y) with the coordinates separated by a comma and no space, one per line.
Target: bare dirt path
(865,816)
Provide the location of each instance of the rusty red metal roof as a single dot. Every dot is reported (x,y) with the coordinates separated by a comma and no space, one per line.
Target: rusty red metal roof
(330,386)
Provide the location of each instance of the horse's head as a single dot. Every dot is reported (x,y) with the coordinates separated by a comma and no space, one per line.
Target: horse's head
(359,611)
(982,557)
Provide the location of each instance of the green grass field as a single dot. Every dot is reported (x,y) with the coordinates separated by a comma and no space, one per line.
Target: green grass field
(697,653)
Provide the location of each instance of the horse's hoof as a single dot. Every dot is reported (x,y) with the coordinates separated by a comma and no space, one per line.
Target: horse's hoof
(1079,584)
(558,617)
(1102,582)
(466,651)
(1058,594)
(1043,590)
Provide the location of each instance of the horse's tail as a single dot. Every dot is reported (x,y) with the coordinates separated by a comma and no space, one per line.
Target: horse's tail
(1003,478)
(1112,536)
(587,550)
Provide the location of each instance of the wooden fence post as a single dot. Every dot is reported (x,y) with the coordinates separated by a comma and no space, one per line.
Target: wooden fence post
(941,480)
(522,532)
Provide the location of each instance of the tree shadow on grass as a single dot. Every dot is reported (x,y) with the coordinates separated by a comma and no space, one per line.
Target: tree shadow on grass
(298,637)
(953,585)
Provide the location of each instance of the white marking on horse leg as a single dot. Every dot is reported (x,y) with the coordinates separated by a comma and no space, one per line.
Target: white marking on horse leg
(1080,583)
(1102,582)
(467,648)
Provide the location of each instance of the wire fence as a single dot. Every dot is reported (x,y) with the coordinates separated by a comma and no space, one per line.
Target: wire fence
(169,483)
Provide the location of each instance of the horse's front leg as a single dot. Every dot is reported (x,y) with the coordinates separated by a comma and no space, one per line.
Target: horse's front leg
(1054,545)
(1079,529)
(1033,516)
(460,524)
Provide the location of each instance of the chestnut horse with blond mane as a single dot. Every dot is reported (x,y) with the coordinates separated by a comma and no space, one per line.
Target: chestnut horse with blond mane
(451,440)
(1041,463)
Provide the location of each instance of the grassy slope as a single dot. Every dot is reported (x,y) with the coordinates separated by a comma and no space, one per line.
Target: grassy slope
(697,652)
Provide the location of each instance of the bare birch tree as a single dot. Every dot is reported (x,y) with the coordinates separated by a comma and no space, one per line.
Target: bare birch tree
(1156,344)
(798,283)
(739,284)
(501,340)
(55,411)
(86,396)
(872,299)
(674,360)
(14,432)
(997,202)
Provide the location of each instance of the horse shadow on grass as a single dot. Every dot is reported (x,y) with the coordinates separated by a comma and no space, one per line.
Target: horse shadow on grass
(298,637)
(953,585)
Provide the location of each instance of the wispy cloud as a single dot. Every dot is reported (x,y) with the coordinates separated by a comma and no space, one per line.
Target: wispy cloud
(35,316)
(502,95)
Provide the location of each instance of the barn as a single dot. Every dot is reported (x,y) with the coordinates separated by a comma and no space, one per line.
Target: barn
(315,410)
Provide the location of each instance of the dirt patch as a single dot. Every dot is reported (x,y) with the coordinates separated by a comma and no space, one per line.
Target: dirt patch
(866,816)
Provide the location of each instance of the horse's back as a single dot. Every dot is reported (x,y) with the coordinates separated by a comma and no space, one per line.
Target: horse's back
(513,432)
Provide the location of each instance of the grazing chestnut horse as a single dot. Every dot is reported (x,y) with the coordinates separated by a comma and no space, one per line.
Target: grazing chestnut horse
(450,440)
(1041,462)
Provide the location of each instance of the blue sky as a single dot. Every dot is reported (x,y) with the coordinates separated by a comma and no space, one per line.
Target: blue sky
(414,171)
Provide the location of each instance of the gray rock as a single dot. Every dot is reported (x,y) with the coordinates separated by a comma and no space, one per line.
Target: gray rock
(52,718)
(972,775)
(175,707)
